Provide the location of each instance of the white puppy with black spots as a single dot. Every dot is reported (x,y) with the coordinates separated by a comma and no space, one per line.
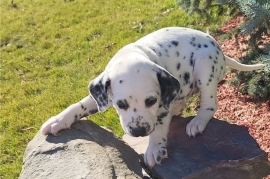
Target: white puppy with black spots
(148,81)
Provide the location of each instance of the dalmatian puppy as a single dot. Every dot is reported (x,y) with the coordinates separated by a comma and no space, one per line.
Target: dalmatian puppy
(148,81)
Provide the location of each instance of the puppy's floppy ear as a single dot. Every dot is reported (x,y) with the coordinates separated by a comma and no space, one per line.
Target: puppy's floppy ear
(169,87)
(99,90)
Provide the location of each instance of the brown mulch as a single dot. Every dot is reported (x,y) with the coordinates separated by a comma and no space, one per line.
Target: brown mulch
(236,107)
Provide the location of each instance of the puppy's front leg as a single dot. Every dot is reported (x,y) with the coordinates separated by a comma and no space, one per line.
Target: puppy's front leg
(156,150)
(74,112)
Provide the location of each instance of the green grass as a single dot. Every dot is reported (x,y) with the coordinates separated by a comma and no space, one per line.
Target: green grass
(50,50)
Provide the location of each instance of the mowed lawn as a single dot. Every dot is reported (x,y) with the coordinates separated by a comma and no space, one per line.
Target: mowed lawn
(50,50)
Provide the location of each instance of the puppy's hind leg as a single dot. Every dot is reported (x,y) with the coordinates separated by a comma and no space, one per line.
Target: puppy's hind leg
(73,113)
(207,110)
(207,84)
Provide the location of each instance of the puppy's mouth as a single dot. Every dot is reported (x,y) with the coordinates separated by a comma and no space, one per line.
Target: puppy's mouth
(140,131)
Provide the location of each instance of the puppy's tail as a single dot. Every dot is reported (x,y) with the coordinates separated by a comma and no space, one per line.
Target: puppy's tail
(241,67)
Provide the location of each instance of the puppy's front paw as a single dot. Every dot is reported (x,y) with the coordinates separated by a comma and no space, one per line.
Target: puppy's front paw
(53,125)
(155,153)
(195,126)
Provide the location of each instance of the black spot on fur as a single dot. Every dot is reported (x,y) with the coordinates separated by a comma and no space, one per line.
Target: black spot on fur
(164,152)
(186,77)
(210,109)
(191,62)
(199,46)
(122,104)
(191,56)
(161,116)
(93,111)
(121,81)
(82,106)
(178,66)
(211,96)
(217,52)
(205,45)
(191,86)
(213,69)
(210,80)
(177,54)
(159,54)
(135,110)
(160,45)
(210,57)
(175,43)
(76,118)
(213,43)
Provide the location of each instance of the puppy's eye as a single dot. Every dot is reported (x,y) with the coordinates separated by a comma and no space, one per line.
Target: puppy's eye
(150,101)
(122,104)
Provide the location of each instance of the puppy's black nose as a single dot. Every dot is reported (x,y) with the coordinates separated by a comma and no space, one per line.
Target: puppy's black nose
(138,131)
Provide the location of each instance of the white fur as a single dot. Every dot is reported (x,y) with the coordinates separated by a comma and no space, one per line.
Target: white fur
(140,70)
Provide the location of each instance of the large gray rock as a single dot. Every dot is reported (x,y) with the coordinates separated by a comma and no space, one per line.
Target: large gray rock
(223,151)
(85,151)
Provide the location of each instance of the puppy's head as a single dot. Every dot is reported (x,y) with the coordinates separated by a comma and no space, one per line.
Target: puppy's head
(138,90)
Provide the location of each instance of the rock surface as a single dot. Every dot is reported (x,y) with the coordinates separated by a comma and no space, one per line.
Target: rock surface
(91,152)
(86,151)
(223,151)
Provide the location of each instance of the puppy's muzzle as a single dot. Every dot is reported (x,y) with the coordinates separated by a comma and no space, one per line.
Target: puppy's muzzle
(138,131)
